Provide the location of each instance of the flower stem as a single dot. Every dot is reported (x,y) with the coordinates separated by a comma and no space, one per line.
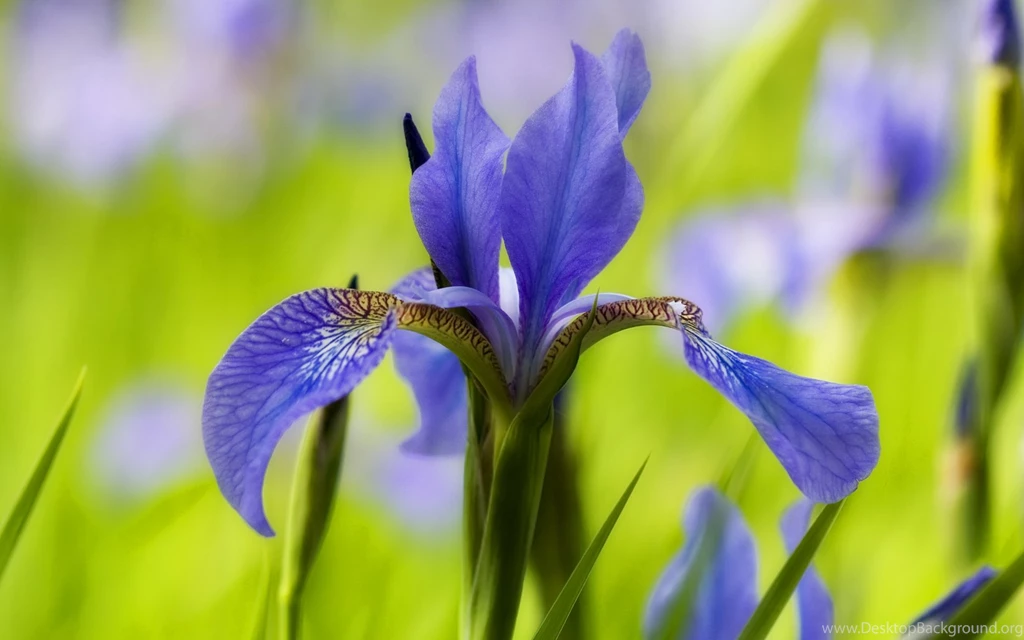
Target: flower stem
(508,531)
(997,280)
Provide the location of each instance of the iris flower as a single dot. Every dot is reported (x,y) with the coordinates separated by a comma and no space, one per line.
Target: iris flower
(564,201)
(724,575)
(875,155)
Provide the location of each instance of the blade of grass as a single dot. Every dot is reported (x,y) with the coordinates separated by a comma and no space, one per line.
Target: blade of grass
(981,610)
(560,610)
(19,516)
(705,131)
(785,583)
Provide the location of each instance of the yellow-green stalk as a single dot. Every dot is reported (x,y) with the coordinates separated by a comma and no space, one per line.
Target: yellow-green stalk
(997,254)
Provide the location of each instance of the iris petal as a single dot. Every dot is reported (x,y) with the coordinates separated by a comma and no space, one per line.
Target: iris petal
(721,548)
(454,196)
(306,352)
(626,66)
(824,434)
(439,384)
(569,200)
(814,604)
(944,609)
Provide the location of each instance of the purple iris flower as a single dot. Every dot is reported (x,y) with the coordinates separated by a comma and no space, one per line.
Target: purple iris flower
(724,575)
(565,204)
(423,492)
(721,550)
(876,152)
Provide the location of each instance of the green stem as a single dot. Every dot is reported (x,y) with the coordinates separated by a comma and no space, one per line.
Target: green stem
(508,530)
(997,282)
(477,479)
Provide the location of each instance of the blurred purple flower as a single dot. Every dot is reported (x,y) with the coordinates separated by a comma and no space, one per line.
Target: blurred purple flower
(80,100)
(730,260)
(244,30)
(422,492)
(90,99)
(149,439)
(877,135)
(721,550)
(1000,35)
(719,559)
(876,152)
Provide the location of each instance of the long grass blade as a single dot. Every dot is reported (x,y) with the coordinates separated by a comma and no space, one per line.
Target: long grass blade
(972,620)
(559,612)
(19,516)
(785,583)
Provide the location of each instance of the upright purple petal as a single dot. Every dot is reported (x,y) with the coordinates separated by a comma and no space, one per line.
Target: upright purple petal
(569,200)
(814,604)
(944,609)
(306,352)
(824,434)
(626,66)
(454,196)
(720,547)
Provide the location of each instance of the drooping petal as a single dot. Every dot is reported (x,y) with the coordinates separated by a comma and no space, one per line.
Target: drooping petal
(626,65)
(569,200)
(824,434)
(814,604)
(454,196)
(944,609)
(306,352)
(720,558)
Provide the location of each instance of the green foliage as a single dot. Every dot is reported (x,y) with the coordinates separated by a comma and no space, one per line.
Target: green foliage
(16,520)
(981,610)
(556,617)
(785,583)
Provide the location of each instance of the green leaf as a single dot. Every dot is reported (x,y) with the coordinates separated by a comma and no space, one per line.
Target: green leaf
(785,583)
(982,609)
(703,134)
(734,481)
(19,516)
(559,612)
(561,537)
(477,477)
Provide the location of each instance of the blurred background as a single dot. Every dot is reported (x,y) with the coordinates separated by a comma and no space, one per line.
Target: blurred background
(171,169)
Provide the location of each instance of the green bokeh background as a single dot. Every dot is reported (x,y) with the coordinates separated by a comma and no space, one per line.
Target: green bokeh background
(158,273)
